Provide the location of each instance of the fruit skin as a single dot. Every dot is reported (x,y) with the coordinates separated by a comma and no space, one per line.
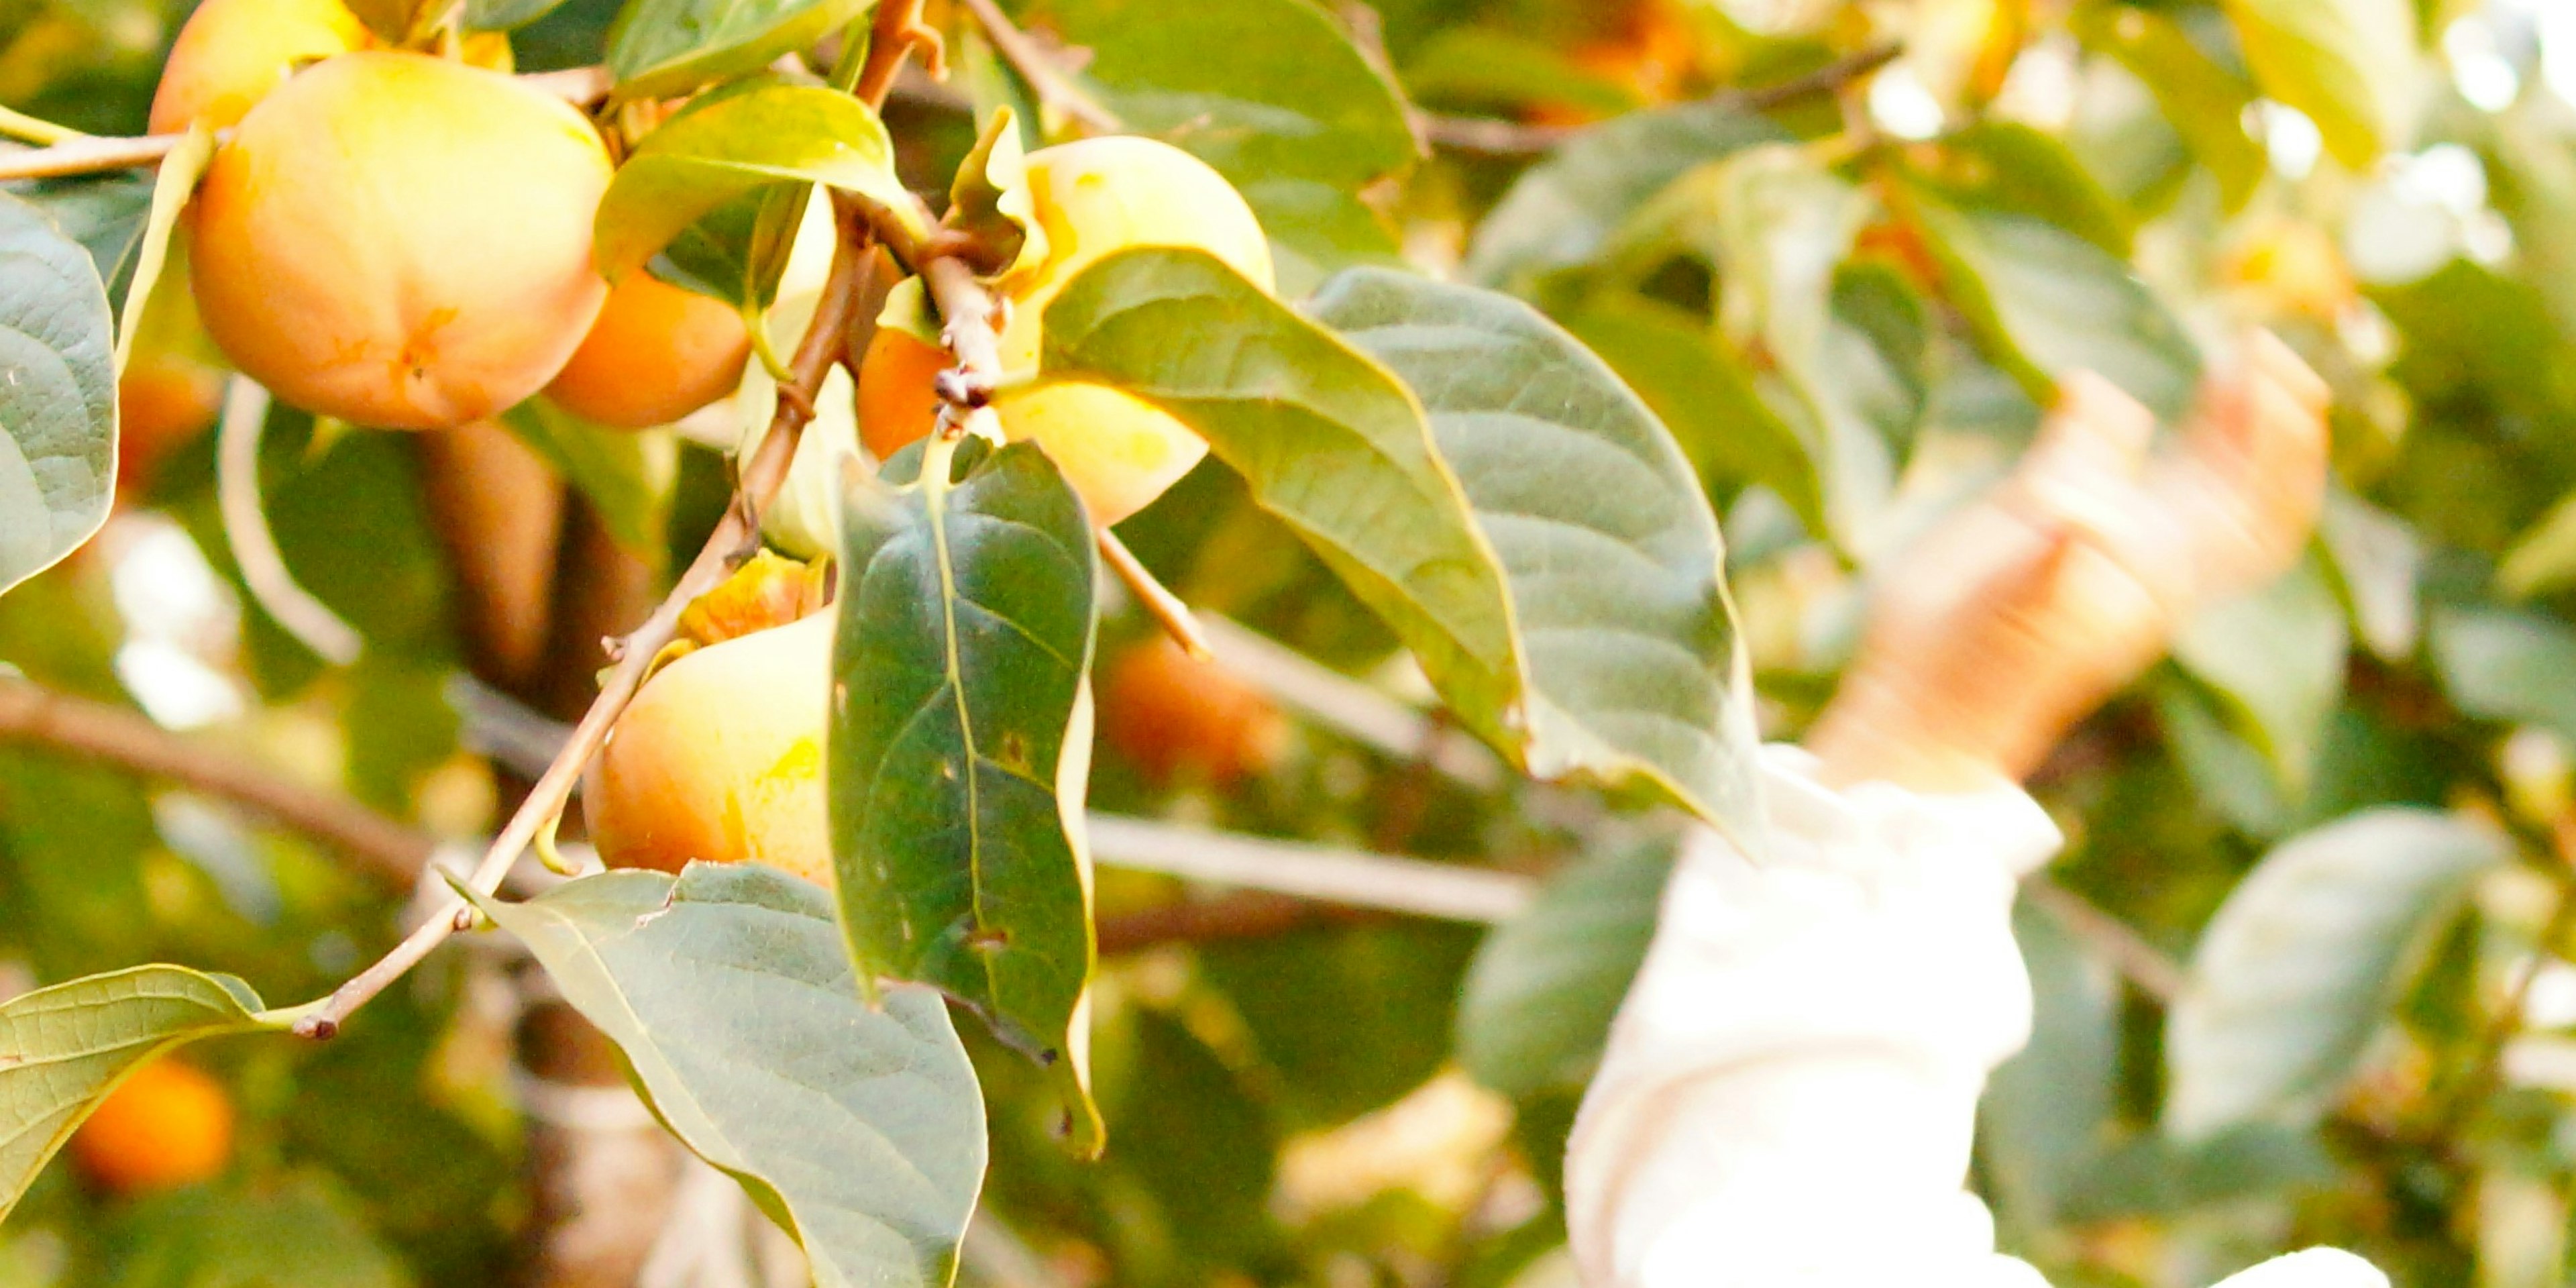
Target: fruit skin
(163,400)
(401,241)
(721,758)
(1092,197)
(657,353)
(167,1125)
(232,53)
(1173,718)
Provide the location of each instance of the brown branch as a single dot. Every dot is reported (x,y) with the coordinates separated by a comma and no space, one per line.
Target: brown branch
(896,31)
(1488,136)
(2144,965)
(1044,73)
(1253,914)
(32,714)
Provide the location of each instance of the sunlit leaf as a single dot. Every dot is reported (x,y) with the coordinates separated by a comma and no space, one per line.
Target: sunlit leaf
(58,404)
(2351,65)
(2204,102)
(62,1049)
(720,150)
(858,1128)
(665,48)
(1538,1003)
(961,745)
(1629,653)
(173,183)
(2302,962)
(2019,169)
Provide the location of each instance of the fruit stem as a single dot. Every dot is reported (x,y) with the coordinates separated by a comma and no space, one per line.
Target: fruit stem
(735,539)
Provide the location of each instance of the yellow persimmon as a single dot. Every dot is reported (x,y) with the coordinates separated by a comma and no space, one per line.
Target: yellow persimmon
(721,758)
(232,53)
(401,241)
(1092,198)
(657,353)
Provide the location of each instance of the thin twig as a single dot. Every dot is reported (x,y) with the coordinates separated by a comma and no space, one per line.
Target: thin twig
(1158,600)
(1329,873)
(263,567)
(2145,965)
(734,538)
(39,716)
(1488,136)
(1250,914)
(87,156)
(1044,73)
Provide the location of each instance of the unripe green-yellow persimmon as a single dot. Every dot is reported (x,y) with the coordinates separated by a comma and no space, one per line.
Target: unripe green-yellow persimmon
(1092,198)
(232,53)
(401,241)
(657,353)
(720,758)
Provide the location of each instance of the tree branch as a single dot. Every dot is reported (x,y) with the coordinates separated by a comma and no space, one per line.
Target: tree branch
(1489,136)
(2145,965)
(1055,88)
(33,714)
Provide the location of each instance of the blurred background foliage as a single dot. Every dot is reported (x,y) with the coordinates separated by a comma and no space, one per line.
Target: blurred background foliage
(1847,294)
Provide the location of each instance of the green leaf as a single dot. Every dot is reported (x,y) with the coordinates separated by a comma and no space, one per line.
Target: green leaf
(2351,65)
(720,150)
(1630,661)
(2040,1124)
(2507,666)
(506,15)
(1484,67)
(626,475)
(2013,168)
(306,1232)
(1545,985)
(738,251)
(2304,959)
(2278,654)
(2203,101)
(58,406)
(2051,303)
(960,747)
(106,214)
(1343,1019)
(1561,212)
(989,202)
(1327,439)
(172,185)
(62,1049)
(858,1128)
(2378,561)
(666,48)
(1271,93)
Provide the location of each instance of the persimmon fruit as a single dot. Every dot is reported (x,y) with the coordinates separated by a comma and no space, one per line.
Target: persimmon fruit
(656,353)
(1176,718)
(164,399)
(231,53)
(1092,197)
(167,1125)
(721,758)
(401,241)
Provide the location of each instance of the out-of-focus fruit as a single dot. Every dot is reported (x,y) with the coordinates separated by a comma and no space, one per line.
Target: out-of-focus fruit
(167,1125)
(721,758)
(164,399)
(401,241)
(657,353)
(1175,718)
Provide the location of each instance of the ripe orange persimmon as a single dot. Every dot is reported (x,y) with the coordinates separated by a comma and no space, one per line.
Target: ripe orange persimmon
(657,353)
(164,399)
(401,241)
(1172,716)
(167,1125)
(721,758)
(232,53)
(1092,197)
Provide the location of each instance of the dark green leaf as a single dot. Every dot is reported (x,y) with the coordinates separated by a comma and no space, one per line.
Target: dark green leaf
(738,252)
(1328,440)
(1539,1000)
(665,48)
(62,1049)
(1562,211)
(720,150)
(858,1128)
(961,744)
(1346,1019)
(58,406)
(2351,65)
(1629,654)
(2301,964)
(2052,303)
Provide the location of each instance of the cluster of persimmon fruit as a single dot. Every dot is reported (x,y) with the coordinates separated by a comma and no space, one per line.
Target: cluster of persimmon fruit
(402,239)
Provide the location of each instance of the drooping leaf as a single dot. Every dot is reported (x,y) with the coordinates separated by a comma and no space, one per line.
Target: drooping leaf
(1271,93)
(2351,65)
(2302,962)
(720,150)
(1629,653)
(58,406)
(1562,211)
(665,48)
(738,251)
(62,1049)
(2510,666)
(858,1128)
(1545,985)
(961,745)
(2051,303)
(1328,440)
(626,475)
